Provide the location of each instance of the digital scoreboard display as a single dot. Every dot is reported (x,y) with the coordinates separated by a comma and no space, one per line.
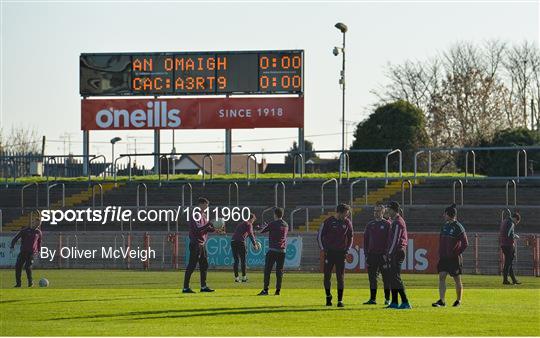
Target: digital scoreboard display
(193,73)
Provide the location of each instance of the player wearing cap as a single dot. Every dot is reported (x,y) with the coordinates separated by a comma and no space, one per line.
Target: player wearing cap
(30,245)
(335,238)
(198,234)
(277,238)
(507,239)
(452,243)
(395,255)
(375,243)
(238,246)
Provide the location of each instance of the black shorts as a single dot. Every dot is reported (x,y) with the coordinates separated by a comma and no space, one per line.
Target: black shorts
(452,265)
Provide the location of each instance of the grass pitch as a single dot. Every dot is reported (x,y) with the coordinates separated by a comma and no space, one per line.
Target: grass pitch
(140,303)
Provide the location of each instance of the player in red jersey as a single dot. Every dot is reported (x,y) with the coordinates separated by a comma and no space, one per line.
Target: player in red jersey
(395,255)
(277,241)
(238,246)
(198,234)
(335,238)
(375,244)
(507,240)
(30,245)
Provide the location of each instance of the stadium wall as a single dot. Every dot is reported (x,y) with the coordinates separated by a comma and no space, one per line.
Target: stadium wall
(482,257)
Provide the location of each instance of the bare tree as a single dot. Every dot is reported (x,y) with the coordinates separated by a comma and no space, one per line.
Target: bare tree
(521,69)
(20,140)
(472,94)
(469,91)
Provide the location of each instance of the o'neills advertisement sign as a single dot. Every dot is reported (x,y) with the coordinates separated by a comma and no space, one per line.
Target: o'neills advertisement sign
(192,113)
(421,255)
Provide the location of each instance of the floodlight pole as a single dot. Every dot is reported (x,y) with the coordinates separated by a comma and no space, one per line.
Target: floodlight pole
(343,105)
(302,151)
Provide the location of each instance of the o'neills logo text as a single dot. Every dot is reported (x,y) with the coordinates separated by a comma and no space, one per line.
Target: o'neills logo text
(155,116)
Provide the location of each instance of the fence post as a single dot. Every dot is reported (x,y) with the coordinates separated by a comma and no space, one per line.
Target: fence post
(537,245)
(128,248)
(59,248)
(175,251)
(500,260)
(476,254)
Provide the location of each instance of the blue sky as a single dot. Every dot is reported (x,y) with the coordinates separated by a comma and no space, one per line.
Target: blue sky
(41,43)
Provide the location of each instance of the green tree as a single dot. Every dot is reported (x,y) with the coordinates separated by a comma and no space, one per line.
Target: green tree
(397,125)
(503,162)
(310,151)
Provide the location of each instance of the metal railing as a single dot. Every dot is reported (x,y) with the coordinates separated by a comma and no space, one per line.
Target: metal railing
(234,184)
(12,169)
(264,212)
(168,168)
(460,182)
(505,213)
(248,167)
(252,155)
(22,194)
(524,163)
(49,187)
(207,156)
(351,194)
(145,195)
(336,191)
(90,167)
(10,161)
(472,150)
(302,167)
(345,159)
(291,219)
(467,164)
(395,151)
(276,186)
(94,194)
(47,165)
(416,162)
(403,192)
(515,192)
(351,189)
(115,167)
(190,194)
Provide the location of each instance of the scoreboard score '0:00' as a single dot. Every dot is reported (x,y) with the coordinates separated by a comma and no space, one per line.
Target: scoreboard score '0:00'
(193,73)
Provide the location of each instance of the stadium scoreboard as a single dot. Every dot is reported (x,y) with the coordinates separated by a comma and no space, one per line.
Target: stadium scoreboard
(192,73)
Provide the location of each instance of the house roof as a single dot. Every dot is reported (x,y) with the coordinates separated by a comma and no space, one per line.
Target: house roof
(238,163)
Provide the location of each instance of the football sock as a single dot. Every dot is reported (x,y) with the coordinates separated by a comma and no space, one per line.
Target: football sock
(394,296)
(328,294)
(372,294)
(386,293)
(403,296)
(340,295)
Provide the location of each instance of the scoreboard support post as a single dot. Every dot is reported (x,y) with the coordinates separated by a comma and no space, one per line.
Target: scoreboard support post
(86,151)
(228,150)
(302,150)
(157,166)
